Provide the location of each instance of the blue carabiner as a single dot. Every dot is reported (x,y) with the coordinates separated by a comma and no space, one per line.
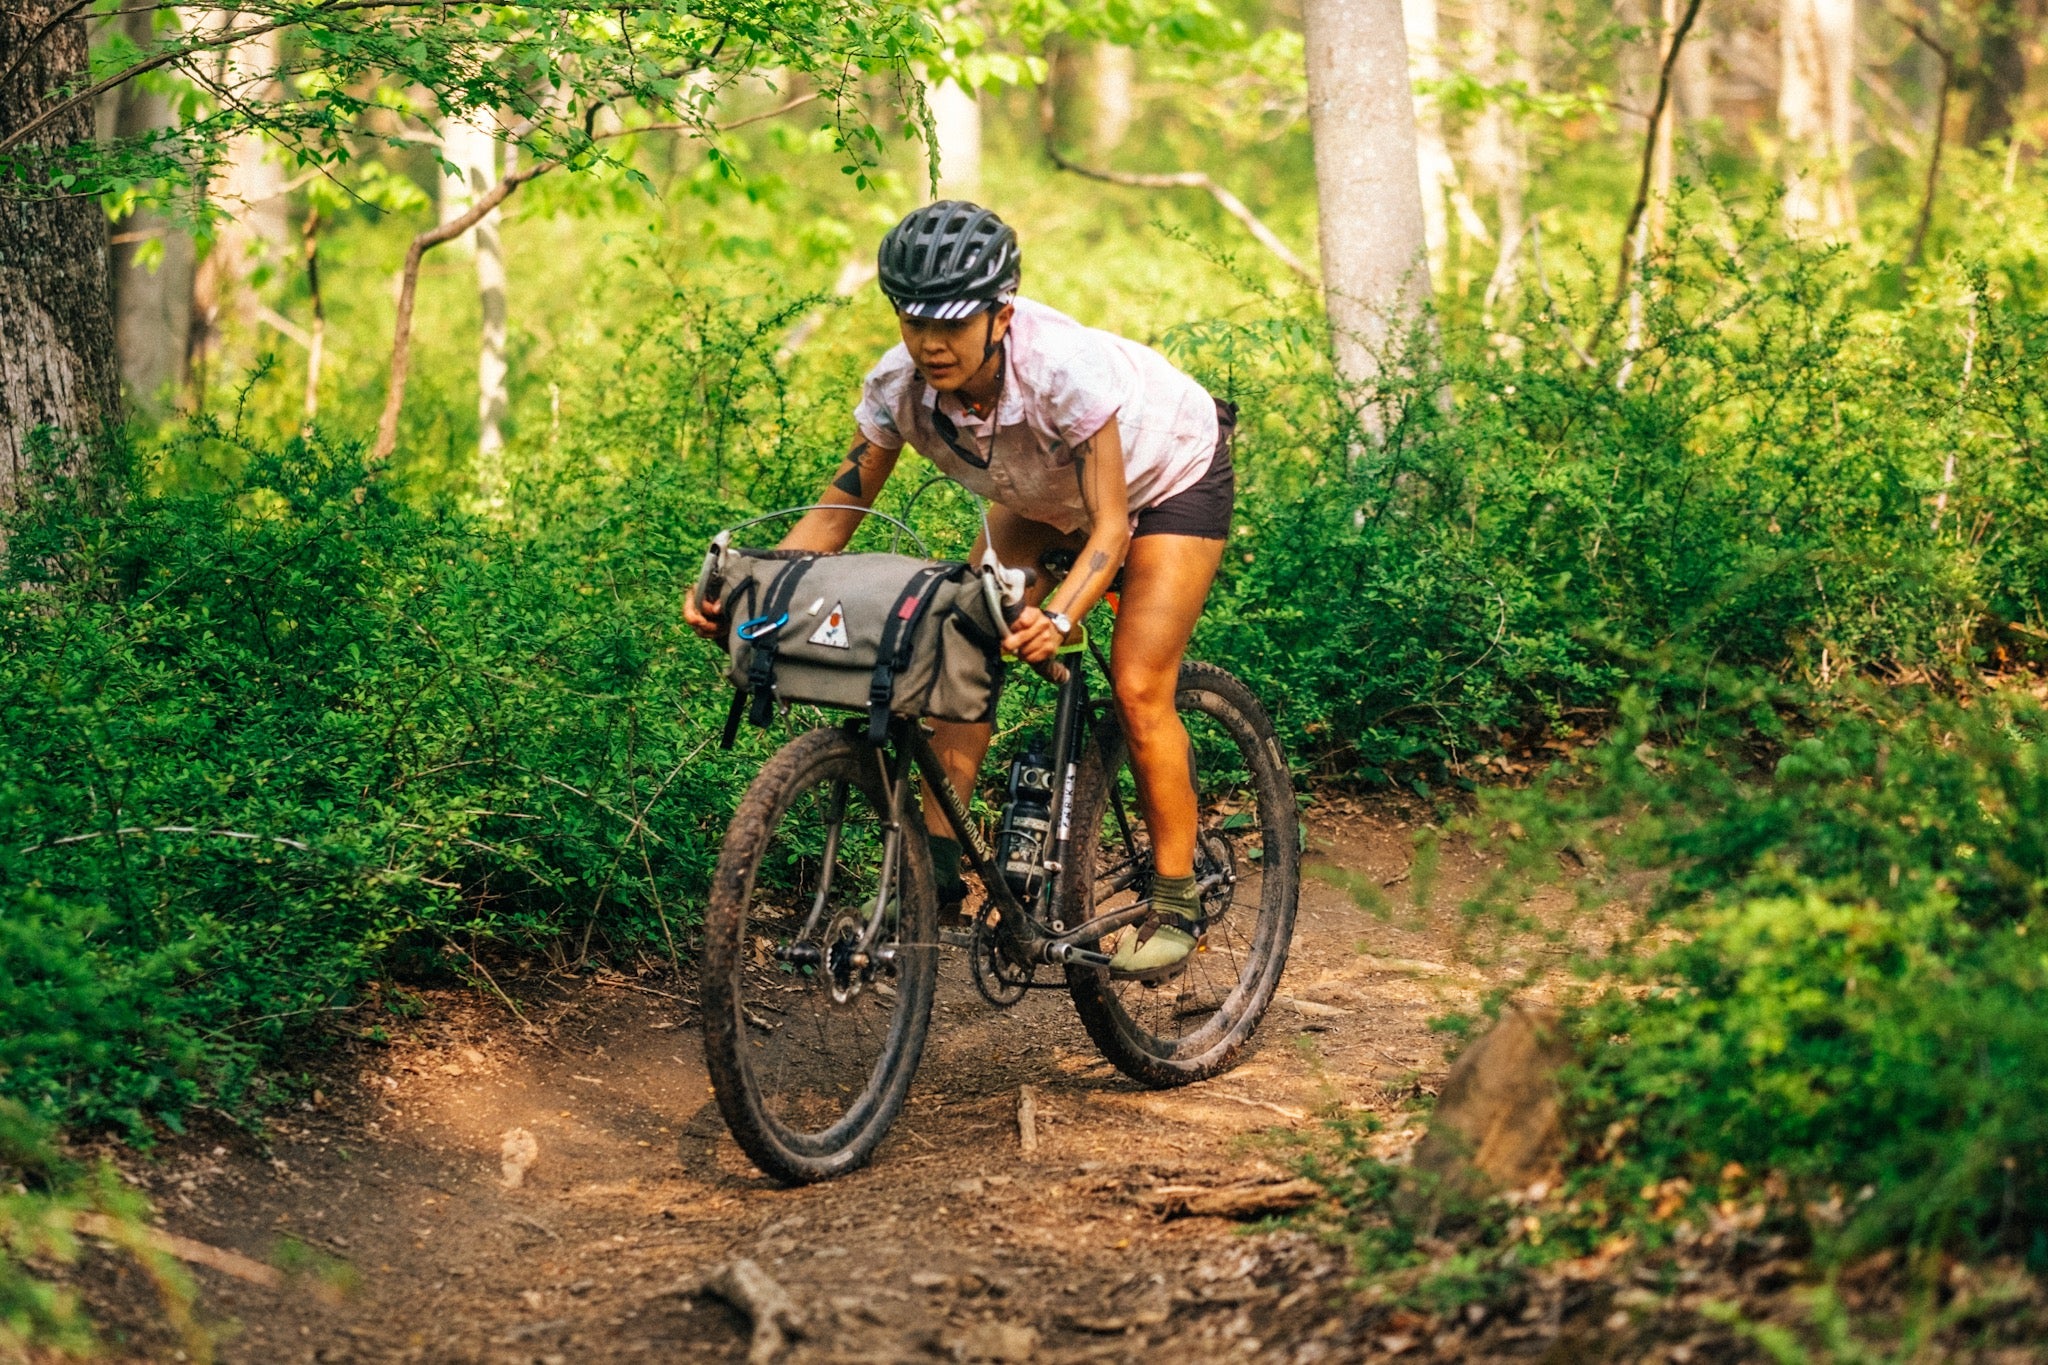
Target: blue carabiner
(753,630)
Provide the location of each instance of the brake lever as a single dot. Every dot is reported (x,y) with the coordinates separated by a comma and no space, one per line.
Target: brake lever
(711,578)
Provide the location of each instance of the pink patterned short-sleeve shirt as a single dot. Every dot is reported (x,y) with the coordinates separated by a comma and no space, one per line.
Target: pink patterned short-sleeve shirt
(1062,382)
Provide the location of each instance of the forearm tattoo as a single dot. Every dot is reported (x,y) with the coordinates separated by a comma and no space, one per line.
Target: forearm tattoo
(852,474)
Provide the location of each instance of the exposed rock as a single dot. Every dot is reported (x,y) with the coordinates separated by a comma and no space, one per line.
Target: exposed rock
(516,1155)
(1496,1125)
(1007,1342)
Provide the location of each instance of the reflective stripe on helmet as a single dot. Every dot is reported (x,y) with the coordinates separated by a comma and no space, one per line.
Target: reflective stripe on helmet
(950,309)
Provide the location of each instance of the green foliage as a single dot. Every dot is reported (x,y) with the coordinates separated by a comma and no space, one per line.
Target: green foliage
(336,81)
(257,737)
(1850,998)
(1761,472)
(45,1202)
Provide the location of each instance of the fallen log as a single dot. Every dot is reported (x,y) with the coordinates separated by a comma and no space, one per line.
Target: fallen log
(1244,1200)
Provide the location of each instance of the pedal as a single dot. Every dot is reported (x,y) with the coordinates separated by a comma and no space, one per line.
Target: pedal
(956,938)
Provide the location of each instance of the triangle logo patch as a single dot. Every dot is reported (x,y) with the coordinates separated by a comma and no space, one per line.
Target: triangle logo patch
(831,633)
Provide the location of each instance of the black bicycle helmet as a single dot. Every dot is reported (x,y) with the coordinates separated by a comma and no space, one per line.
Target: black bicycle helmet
(951,259)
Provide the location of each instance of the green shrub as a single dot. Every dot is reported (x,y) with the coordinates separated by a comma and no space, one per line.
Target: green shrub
(45,1202)
(1847,993)
(256,736)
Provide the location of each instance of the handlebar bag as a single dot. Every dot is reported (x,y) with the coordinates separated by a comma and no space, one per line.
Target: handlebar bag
(874,633)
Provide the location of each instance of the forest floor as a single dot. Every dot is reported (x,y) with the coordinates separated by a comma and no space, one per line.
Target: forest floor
(386,1187)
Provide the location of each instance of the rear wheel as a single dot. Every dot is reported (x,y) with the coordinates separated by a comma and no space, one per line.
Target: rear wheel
(1248,858)
(810,1039)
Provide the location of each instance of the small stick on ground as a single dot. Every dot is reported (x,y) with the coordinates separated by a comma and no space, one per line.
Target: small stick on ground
(185,1249)
(1027,1120)
(767,1306)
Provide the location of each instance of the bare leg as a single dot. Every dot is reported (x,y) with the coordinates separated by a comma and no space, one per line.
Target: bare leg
(960,747)
(1166,582)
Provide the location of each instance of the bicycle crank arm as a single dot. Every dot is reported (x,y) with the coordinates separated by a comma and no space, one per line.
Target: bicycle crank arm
(1105,924)
(1065,954)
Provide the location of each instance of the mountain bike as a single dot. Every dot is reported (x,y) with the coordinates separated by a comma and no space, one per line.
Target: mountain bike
(822,942)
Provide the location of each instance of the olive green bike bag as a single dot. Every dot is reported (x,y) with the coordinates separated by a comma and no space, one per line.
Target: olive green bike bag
(884,635)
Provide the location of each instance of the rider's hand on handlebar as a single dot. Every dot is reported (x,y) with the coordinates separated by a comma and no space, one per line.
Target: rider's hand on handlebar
(1033,637)
(703,621)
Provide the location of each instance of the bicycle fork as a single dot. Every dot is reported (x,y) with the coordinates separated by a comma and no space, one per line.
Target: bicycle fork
(851,962)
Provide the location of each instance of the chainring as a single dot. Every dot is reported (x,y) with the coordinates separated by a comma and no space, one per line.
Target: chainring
(1000,982)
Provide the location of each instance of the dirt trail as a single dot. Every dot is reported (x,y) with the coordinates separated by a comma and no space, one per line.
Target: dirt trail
(953,1245)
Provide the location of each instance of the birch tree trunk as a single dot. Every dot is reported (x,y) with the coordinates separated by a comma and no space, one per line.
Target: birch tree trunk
(1368,198)
(1506,37)
(1692,79)
(473,148)
(251,191)
(154,267)
(58,365)
(471,156)
(1816,110)
(1432,158)
(957,114)
(1115,97)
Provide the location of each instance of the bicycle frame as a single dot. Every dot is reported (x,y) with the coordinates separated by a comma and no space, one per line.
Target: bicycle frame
(1035,933)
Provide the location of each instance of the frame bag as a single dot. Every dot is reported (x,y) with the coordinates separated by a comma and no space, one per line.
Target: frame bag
(887,635)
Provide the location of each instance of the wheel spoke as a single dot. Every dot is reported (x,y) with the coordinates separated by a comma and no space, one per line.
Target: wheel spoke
(1194,1023)
(828,1031)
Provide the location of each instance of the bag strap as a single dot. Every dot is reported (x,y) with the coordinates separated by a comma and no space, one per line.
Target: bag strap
(761,671)
(898,636)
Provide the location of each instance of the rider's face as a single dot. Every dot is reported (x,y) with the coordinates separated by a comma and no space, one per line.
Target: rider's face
(949,354)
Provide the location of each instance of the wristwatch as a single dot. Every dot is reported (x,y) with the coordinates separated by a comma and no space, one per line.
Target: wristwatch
(1060,623)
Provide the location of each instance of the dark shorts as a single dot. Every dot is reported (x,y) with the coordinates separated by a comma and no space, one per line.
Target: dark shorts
(1203,510)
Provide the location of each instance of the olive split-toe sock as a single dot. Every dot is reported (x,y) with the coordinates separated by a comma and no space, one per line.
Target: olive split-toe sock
(1176,919)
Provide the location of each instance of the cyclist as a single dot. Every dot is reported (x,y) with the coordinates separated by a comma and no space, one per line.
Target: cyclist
(1083,442)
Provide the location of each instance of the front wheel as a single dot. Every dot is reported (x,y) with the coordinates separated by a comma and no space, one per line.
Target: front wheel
(1247,857)
(813,1026)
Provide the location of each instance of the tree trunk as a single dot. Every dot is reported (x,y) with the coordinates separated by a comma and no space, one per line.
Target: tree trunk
(1692,80)
(492,396)
(1091,87)
(58,364)
(472,147)
(1116,75)
(1506,37)
(1368,198)
(1816,109)
(1433,166)
(957,114)
(1999,77)
(251,191)
(155,262)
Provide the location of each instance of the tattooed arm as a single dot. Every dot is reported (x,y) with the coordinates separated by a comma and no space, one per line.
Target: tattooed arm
(857,484)
(1099,466)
